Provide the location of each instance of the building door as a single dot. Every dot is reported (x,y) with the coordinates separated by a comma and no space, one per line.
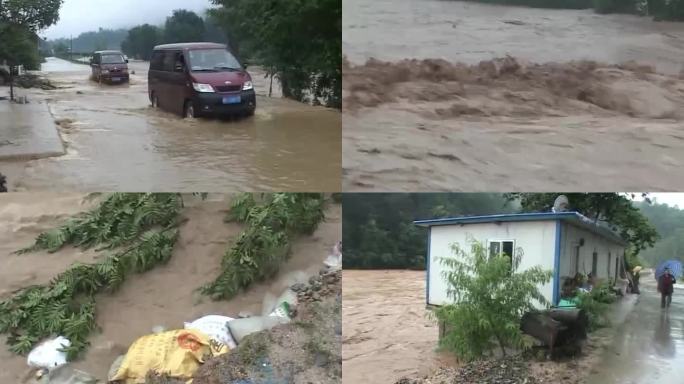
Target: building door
(594,263)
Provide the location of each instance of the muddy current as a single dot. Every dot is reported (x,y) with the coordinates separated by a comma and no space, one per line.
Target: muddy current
(115,141)
(165,296)
(477,97)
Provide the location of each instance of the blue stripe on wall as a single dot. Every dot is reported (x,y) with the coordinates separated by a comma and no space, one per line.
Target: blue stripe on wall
(427,267)
(556,265)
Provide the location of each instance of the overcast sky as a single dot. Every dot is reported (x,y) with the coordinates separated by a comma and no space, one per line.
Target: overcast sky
(668,198)
(77,16)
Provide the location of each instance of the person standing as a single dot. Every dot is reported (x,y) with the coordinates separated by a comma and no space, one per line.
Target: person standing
(666,284)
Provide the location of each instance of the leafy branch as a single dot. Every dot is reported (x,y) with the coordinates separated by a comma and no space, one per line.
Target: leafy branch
(272,221)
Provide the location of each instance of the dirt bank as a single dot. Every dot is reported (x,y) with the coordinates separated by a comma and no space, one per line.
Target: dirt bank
(166,295)
(508,124)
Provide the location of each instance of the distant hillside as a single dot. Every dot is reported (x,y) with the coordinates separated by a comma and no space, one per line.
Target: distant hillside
(94,40)
(669,222)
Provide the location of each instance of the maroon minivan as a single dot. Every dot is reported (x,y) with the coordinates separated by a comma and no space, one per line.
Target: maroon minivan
(109,66)
(195,79)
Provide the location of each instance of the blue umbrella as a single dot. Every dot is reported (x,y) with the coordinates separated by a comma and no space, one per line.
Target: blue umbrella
(675,267)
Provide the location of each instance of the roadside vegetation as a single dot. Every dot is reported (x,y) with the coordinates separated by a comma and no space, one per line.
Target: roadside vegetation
(596,305)
(272,221)
(138,231)
(20,22)
(490,296)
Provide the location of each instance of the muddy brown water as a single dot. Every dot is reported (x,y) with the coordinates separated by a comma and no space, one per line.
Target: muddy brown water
(425,134)
(166,295)
(387,333)
(116,141)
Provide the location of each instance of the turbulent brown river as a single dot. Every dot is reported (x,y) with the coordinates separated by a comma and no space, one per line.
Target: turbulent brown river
(116,141)
(509,98)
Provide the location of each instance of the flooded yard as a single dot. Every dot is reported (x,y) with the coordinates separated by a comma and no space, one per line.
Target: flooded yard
(115,141)
(588,103)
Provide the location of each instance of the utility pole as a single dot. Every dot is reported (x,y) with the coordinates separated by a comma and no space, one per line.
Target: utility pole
(71,47)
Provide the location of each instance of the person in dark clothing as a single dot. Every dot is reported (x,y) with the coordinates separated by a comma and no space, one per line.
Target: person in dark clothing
(666,284)
(3,181)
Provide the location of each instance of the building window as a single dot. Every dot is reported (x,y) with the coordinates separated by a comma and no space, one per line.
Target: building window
(501,247)
(594,263)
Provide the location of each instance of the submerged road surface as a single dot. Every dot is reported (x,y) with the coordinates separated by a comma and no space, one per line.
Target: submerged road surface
(648,346)
(115,141)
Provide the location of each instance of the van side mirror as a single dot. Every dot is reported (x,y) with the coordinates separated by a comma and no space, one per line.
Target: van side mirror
(90,61)
(126,61)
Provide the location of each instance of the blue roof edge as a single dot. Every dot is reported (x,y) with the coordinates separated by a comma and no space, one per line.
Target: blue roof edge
(572,216)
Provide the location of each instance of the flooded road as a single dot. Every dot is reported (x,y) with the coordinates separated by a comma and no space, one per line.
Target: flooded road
(166,295)
(544,122)
(116,141)
(387,334)
(648,346)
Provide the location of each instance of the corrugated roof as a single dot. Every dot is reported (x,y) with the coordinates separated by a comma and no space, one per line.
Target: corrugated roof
(574,218)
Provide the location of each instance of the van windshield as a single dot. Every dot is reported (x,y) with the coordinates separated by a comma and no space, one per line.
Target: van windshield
(112,59)
(212,60)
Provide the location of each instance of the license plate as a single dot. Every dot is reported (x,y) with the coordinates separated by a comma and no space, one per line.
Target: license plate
(116,79)
(232,99)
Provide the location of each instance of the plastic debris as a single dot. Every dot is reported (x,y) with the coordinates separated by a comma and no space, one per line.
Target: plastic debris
(215,327)
(48,355)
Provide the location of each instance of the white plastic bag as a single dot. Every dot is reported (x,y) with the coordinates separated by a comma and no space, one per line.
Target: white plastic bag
(239,328)
(215,327)
(48,355)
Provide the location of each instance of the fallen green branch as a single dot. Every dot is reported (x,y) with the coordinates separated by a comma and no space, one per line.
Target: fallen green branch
(272,221)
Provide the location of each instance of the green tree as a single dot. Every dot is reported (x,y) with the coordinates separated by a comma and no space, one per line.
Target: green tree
(20,20)
(184,26)
(490,294)
(613,208)
(299,41)
(141,40)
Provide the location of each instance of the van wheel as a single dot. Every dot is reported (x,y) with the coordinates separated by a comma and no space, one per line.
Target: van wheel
(155,101)
(189,110)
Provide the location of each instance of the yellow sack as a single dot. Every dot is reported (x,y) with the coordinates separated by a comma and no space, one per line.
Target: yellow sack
(174,353)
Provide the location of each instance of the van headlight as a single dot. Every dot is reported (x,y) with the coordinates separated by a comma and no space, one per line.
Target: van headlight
(247,86)
(105,71)
(202,87)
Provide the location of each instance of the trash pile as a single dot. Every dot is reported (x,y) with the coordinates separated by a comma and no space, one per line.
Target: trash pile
(304,349)
(298,337)
(30,80)
(508,370)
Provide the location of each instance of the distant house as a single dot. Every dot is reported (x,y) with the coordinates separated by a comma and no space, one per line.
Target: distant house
(566,243)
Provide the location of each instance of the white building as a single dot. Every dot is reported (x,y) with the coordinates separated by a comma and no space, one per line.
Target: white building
(565,243)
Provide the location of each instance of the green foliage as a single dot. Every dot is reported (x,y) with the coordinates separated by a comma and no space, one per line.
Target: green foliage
(88,42)
(378,229)
(596,304)
(115,222)
(615,6)
(300,41)
(184,27)
(669,222)
(272,220)
(141,226)
(490,297)
(18,46)
(31,14)
(141,40)
(613,208)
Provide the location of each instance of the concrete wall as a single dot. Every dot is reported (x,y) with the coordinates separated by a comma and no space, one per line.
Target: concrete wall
(607,253)
(535,238)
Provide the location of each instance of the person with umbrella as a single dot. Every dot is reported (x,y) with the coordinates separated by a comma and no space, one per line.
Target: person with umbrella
(666,283)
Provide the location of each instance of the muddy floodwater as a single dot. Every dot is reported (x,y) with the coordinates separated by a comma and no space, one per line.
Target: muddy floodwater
(165,296)
(387,334)
(563,99)
(115,141)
